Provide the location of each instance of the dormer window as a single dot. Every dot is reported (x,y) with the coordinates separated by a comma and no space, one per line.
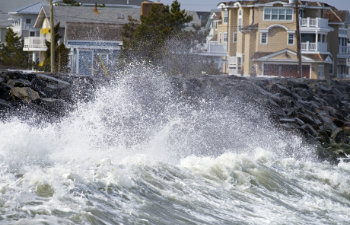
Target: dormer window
(278,13)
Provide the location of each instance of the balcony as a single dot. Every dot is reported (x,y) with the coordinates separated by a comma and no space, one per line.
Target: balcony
(344,51)
(343,32)
(314,22)
(215,48)
(34,44)
(311,47)
(16,28)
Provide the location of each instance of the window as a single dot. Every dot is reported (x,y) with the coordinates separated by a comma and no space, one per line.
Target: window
(28,21)
(240,24)
(267,14)
(220,37)
(278,13)
(282,14)
(331,68)
(240,20)
(274,15)
(225,37)
(225,16)
(234,37)
(32,34)
(289,14)
(290,39)
(263,38)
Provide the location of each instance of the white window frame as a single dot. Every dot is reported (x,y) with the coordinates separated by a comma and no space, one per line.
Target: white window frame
(288,36)
(225,37)
(235,35)
(225,16)
(261,38)
(240,20)
(278,9)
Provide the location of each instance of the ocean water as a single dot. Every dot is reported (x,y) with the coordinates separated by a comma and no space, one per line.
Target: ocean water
(139,153)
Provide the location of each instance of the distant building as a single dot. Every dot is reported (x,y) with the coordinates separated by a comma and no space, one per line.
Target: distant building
(258,37)
(5,18)
(108,3)
(94,47)
(93,36)
(23,20)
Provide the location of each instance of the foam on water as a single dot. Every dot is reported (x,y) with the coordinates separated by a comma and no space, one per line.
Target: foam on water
(140,154)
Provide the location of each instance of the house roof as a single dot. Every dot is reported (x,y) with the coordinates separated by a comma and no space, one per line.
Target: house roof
(64,14)
(118,2)
(307,3)
(316,57)
(29,9)
(93,31)
(337,16)
(7,6)
(251,27)
(266,56)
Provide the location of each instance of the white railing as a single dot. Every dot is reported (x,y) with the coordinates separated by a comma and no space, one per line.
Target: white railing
(343,32)
(313,47)
(314,22)
(16,28)
(348,61)
(216,48)
(27,27)
(344,50)
(34,43)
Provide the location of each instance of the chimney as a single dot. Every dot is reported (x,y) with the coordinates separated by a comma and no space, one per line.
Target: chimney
(146,7)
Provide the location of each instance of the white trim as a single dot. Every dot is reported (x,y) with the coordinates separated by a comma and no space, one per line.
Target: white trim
(225,37)
(288,39)
(278,8)
(265,58)
(267,37)
(222,6)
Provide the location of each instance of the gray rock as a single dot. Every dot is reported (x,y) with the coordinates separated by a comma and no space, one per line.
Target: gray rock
(19,83)
(24,93)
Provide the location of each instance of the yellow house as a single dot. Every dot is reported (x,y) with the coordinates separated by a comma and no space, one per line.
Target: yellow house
(260,38)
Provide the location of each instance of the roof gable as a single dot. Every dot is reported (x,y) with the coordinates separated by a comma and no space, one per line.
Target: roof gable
(283,55)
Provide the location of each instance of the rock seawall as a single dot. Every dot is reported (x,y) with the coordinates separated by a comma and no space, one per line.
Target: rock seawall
(317,110)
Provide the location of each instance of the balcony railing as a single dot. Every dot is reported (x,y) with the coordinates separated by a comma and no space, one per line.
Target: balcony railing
(34,44)
(16,28)
(313,23)
(343,32)
(344,50)
(216,48)
(313,47)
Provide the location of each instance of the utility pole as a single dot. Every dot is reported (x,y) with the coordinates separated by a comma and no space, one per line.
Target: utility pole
(298,36)
(52,46)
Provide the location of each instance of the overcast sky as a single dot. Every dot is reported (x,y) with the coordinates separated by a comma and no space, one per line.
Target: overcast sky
(206,5)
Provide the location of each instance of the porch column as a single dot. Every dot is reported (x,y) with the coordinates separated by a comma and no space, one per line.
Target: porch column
(316,41)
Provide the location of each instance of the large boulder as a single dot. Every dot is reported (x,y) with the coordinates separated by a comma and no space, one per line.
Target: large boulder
(24,93)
